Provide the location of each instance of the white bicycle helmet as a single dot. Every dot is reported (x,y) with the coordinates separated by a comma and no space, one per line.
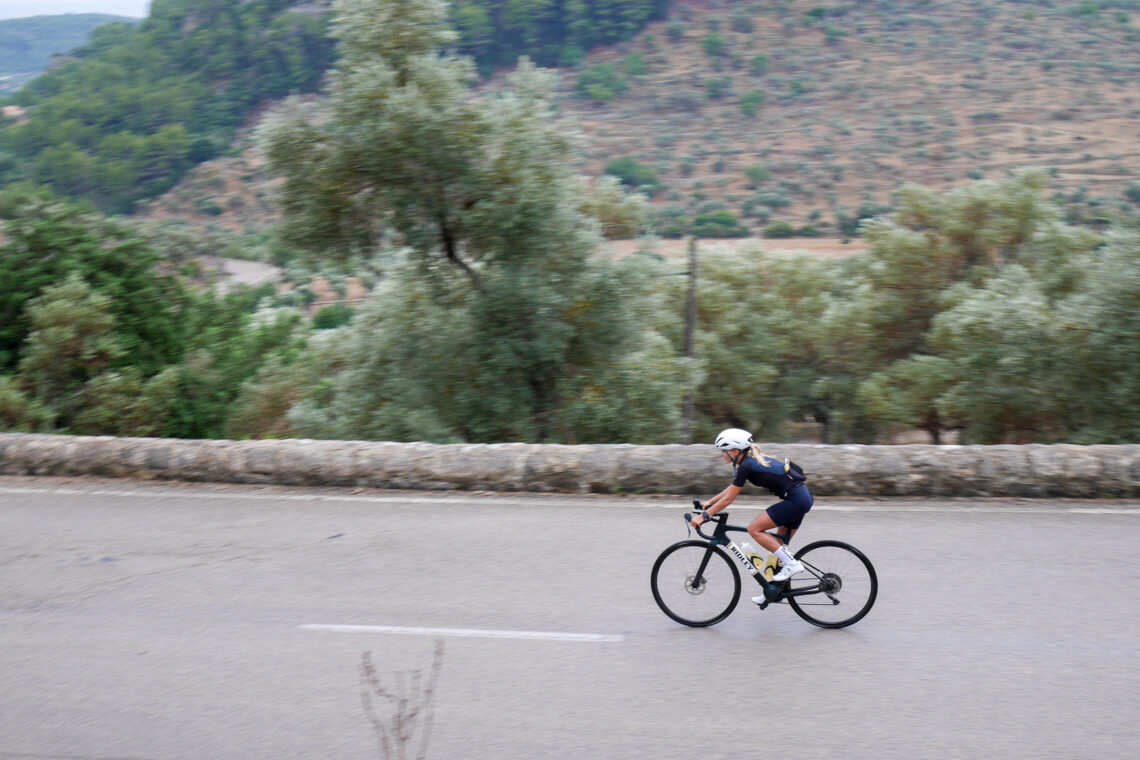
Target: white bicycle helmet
(733,438)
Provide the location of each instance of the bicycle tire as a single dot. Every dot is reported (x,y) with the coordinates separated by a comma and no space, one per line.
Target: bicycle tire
(844,560)
(679,571)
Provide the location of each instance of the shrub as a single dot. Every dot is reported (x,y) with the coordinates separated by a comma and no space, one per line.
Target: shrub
(773,200)
(1133,192)
(210,207)
(571,56)
(333,316)
(675,30)
(717,87)
(18,412)
(671,222)
(779,230)
(757,173)
(715,45)
(718,224)
(634,65)
(750,102)
(601,82)
(633,174)
(759,64)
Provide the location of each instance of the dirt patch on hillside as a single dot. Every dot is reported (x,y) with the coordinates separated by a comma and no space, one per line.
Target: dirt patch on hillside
(831,248)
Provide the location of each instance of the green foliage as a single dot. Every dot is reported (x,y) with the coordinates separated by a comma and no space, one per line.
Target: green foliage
(123,403)
(497,32)
(715,45)
(495,320)
(851,224)
(622,215)
(333,316)
(634,65)
(50,241)
(634,175)
(834,34)
(71,340)
(18,412)
(230,341)
(28,44)
(759,64)
(779,230)
(717,87)
(758,334)
(601,83)
(140,105)
(757,174)
(750,102)
(1099,323)
(1002,347)
(526,358)
(288,386)
(718,224)
(670,221)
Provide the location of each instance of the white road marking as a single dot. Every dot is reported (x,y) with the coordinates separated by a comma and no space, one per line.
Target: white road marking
(470,633)
(452,498)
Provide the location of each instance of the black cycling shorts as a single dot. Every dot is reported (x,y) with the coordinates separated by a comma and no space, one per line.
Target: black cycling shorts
(790,512)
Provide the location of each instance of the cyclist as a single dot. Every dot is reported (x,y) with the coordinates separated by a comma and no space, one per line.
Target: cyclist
(750,464)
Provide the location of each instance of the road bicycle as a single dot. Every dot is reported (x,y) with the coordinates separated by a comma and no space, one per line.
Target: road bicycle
(697,583)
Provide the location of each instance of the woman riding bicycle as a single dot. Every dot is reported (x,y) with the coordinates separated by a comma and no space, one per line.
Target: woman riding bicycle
(750,464)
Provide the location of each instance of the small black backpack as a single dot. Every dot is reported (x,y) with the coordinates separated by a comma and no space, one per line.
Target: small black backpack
(794,472)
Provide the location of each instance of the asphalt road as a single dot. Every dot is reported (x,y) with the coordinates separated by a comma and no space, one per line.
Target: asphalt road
(168,622)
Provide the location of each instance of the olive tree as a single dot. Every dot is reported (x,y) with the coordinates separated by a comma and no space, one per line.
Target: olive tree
(496,320)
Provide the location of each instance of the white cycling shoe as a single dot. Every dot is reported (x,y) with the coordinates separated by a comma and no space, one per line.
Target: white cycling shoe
(789,569)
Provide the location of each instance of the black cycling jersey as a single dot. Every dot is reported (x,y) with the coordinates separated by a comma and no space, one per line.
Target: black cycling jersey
(770,476)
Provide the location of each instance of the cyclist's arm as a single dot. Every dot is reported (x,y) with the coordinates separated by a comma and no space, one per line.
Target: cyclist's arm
(722,500)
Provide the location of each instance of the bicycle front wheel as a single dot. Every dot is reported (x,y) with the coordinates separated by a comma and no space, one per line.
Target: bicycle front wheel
(695,583)
(846,581)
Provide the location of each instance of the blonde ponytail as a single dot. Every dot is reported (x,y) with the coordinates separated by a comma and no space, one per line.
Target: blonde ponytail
(756,452)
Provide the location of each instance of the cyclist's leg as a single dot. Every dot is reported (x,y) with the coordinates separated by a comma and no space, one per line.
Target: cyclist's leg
(758,528)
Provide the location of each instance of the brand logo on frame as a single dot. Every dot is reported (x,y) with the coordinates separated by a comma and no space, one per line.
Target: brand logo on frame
(743,558)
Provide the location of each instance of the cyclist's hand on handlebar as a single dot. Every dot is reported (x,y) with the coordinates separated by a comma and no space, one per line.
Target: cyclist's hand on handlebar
(699,519)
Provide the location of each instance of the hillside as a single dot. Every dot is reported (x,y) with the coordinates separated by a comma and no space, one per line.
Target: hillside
(138,106)
(853,99)
(28,44)
(832,108)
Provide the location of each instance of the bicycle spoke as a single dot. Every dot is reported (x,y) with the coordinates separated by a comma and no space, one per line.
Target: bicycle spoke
(690,600)
(843,575)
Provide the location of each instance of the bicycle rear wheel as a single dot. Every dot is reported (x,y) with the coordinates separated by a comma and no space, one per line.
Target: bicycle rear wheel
(690,600)
(847,581)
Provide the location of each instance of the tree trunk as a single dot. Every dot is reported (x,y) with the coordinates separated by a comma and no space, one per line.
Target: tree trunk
(451,249)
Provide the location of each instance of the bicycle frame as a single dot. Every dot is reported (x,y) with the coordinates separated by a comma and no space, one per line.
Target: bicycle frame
(772,592)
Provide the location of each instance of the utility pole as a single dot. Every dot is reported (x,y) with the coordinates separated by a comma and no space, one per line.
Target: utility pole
(690,348)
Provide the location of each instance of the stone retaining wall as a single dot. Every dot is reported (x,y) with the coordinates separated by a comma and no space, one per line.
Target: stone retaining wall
(1030,470)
